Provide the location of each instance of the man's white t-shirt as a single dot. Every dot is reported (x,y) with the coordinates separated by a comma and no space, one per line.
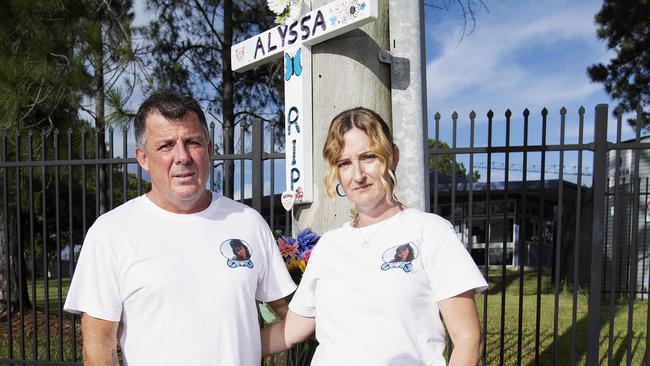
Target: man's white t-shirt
(373,306)
(181,295)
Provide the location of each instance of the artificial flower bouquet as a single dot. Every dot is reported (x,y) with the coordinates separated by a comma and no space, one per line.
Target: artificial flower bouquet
(296,252)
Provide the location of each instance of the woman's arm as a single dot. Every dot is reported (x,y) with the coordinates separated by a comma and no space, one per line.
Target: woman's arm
(461,320)
(286,333)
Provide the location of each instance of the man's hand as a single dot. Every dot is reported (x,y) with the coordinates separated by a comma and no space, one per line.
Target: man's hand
(99,341)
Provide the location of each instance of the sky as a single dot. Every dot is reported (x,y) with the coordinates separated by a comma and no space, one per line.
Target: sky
(521,54)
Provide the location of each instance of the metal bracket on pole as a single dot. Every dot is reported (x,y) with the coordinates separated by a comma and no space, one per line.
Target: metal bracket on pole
(385,57)
(400,69)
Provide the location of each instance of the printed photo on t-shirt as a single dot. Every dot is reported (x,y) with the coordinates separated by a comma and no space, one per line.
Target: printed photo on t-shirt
(237,253)
(399,256)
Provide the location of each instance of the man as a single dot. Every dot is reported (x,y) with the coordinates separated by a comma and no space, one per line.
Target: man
(153,272)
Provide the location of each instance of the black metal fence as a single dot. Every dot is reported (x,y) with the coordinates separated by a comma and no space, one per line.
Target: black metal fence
(53,186)
(564,244)
(559,229)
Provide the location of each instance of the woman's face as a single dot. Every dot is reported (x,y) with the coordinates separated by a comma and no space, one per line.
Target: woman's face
(403,254)
(240,251)
(359,171)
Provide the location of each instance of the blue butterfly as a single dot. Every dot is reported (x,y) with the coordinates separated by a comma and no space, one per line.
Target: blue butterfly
(361,6)
(292,65)
(333,20)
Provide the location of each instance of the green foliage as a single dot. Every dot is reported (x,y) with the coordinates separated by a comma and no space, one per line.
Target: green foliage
(626,27)
(446,164)
(54,53)
(190,51)
(42,79)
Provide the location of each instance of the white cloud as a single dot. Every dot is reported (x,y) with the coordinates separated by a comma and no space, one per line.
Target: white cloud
(510,60)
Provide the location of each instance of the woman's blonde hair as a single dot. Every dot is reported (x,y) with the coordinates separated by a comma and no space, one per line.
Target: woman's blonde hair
(381,144)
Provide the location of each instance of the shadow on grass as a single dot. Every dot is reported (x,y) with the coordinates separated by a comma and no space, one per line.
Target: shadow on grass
(512,279)
(618,344)
(565,345)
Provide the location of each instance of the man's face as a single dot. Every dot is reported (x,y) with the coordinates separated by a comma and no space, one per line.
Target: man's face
(177,156)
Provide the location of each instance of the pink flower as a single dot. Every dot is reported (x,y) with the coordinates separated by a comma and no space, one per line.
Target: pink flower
(287,249)
(306,254)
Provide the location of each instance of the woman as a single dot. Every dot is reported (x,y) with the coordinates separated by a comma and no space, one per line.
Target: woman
(403,253)
(239,250)
(366,311)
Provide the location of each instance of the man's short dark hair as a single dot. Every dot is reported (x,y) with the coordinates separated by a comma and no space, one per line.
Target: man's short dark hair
(170,105)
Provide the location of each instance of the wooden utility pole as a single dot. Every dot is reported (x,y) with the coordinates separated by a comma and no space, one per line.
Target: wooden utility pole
(346,74)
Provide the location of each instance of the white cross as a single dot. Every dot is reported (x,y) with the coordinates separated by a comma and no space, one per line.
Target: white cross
(294,39)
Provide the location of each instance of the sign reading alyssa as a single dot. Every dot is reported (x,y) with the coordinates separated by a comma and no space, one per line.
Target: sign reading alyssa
(293,40)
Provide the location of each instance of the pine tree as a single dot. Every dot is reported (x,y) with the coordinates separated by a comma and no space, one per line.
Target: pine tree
(626,27)
(41,83)
(190,49)
(109,55)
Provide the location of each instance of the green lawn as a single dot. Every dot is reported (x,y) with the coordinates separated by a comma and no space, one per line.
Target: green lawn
(39,345)
(52,292)
(547,311)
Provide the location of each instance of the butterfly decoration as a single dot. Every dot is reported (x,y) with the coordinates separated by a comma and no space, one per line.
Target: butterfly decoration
(292,65)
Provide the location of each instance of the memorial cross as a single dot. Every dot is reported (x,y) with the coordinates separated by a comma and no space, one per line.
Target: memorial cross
(294,40)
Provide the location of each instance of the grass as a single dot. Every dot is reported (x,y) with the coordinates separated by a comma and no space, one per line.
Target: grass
(493,350)
(547,313)
(38,344)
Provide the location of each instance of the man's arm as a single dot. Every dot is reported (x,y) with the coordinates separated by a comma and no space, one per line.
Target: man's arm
(280,307)
(461,319)
(99,341)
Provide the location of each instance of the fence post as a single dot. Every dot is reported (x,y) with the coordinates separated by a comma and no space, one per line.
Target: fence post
(599,179)
(257,164)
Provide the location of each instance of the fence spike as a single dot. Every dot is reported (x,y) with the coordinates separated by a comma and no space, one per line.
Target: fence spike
(562,111)
(581,110)
(618,110)
(508,113)
(110,129)
(544,112)
(526,112)
(472,114)
(436,116)
(454,115)
(490,114)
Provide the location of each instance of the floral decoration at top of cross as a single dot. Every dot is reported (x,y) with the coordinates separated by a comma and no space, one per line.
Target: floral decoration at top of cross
(285,10)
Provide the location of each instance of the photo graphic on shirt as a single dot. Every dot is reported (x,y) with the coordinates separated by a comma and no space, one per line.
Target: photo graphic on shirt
(237,253)
(399,256)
